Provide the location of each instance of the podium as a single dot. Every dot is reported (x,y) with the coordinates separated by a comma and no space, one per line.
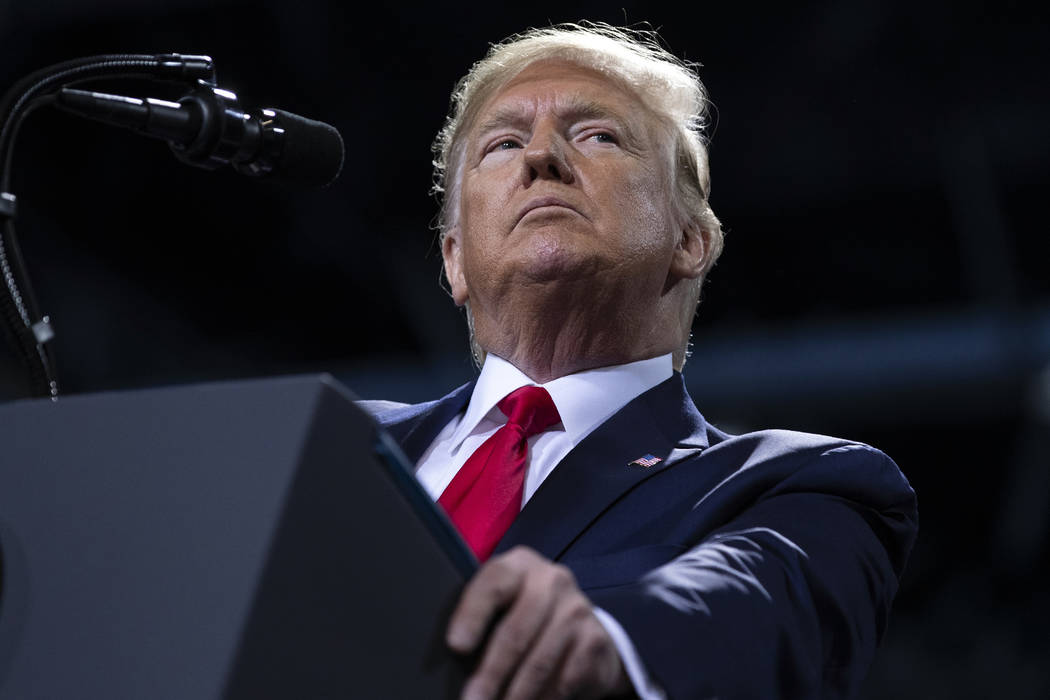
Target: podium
(256,539)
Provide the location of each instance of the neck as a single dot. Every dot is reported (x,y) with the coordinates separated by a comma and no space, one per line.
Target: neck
(551,340)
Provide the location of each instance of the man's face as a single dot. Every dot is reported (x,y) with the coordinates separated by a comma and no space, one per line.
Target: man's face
(564,181)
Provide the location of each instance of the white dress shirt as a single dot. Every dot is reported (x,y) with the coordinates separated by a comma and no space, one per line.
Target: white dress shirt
(584,401)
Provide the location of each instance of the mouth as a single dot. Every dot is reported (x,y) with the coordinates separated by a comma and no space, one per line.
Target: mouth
(545,203)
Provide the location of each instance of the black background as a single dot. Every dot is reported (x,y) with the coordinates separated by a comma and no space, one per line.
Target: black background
(881,169)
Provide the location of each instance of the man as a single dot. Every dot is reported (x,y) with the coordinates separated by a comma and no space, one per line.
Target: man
(629,546)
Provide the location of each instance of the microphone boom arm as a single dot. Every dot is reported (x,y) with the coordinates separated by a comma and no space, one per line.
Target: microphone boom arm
(20,317)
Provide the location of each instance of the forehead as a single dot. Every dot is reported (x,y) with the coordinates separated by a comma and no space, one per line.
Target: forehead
(563,87)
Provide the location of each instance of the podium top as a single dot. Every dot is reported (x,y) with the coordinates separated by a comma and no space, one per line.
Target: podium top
(237,539)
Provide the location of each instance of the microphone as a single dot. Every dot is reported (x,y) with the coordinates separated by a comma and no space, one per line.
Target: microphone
(207,129)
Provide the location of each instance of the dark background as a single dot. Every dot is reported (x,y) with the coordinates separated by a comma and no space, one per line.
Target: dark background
(881,169)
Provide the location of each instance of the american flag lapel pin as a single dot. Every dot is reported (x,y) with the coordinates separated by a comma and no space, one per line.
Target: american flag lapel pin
(646,461)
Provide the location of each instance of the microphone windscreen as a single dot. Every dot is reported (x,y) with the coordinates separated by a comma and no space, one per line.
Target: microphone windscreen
(312,153)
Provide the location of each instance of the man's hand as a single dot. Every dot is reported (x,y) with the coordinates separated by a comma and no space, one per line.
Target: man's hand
(548,644)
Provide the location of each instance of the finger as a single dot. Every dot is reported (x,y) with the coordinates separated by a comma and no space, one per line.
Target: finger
(493,588)
(516,632)
(541,668)
(592,667)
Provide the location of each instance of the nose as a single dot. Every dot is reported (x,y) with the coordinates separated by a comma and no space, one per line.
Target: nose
(545,157)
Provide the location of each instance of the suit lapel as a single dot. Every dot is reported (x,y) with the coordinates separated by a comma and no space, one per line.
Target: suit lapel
(663,422)
(415,427)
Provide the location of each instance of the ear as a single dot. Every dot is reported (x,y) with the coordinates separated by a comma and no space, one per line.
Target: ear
(690,255)
(452,252)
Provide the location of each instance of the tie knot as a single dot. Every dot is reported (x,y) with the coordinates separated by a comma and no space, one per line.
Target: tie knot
(530,408)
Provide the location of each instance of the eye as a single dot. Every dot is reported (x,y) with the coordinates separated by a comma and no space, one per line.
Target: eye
(504,145)
(599,135)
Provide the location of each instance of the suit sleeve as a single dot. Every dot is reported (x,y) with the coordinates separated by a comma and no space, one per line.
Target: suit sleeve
(788,596)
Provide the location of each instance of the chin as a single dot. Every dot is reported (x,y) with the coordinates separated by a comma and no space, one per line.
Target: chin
(550,259)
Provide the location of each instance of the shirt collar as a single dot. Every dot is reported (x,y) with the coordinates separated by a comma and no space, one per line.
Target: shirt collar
(584,400)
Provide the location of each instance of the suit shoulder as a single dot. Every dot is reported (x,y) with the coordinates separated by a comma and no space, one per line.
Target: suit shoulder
(790,454)
(386,412)
(777,443)
(795,461)
(377,407)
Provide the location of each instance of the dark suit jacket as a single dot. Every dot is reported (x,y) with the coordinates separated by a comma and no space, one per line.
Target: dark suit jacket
(752,566)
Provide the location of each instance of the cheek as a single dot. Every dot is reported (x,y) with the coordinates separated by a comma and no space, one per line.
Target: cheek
(480,224)
(648,215)
(482,201)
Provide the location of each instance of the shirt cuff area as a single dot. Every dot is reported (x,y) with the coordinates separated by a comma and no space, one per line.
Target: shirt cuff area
(632,663)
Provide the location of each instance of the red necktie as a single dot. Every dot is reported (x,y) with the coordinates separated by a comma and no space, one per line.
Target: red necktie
(485,495)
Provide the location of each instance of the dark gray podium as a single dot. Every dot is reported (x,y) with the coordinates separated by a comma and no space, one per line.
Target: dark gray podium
(237,540)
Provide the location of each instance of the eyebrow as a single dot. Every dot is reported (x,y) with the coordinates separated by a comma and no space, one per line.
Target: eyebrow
(579,108)
(574,108)
(505,116)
